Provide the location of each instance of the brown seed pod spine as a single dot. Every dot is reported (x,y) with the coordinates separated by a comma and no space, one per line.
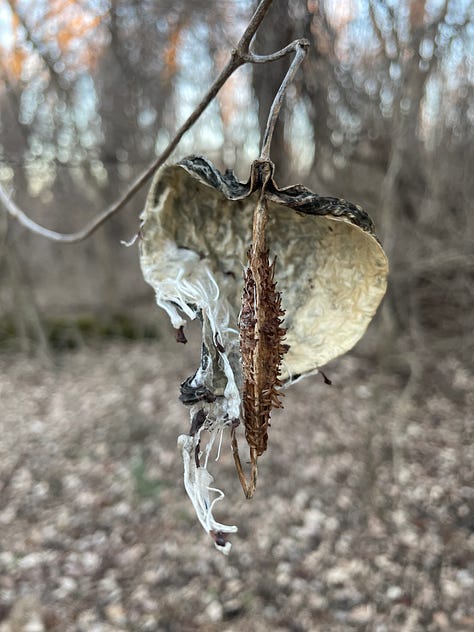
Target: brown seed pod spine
(261,346)
(262,349)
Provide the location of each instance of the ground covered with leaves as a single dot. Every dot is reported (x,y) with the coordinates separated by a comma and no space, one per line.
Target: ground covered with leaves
(363,517)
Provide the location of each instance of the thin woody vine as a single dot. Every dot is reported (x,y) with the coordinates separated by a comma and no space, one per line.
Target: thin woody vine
(314,275)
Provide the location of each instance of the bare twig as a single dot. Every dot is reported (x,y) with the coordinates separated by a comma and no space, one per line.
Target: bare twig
(255,21)
(252,58)
(248,488)
(240,55)
(301,48)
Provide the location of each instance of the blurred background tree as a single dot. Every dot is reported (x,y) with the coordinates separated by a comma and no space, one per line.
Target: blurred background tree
(381,113)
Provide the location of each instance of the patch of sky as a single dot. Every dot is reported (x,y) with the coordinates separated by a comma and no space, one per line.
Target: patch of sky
(36,146)
(391,48)
(401,13)
(430,112)
(453,64)
(40,175)
(371,86)
(146,117)
(301,137)
(459,12)
(44,120)
(100,6)
(386,100)
(349,121)
(162,140)
(195,75)
(360,36)
(433,9)
(248,118)
(98,171)
(395,71)
(244,116)
(195,67)
(162,25)
(85,102)
(250,147)
(6,35)
(426,48)
(28,105)
(88,139)
(6,174)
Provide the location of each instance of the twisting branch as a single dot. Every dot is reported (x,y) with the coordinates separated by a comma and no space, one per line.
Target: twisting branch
(252,58)
(239,56)
(301,48)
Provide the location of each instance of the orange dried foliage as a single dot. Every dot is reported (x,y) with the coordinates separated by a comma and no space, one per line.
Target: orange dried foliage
(13,60)
(76,28)
(16,61)
(56,8)
(170,54)
(66,22)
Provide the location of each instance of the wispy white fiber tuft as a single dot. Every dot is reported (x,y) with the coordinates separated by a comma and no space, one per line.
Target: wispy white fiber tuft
(197,482)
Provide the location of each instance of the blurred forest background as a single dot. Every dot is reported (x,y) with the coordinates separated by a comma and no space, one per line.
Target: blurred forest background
(381,113)
(371,525)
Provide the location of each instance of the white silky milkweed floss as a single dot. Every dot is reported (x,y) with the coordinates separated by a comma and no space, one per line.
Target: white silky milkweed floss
(330,269)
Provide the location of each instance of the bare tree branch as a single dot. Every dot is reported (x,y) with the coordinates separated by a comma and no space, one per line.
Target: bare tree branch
(239,56)
(263,59)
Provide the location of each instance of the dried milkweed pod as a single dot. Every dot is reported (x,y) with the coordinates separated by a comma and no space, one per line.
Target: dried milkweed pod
(261,337)
(330,273)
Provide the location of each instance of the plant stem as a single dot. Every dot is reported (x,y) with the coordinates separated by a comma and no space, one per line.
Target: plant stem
(301,48)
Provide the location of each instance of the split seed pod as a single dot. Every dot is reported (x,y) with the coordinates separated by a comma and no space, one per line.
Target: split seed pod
(330,274)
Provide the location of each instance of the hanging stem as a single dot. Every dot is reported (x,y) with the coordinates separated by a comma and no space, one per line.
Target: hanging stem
(261,333)
(301,47)
(248,487)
